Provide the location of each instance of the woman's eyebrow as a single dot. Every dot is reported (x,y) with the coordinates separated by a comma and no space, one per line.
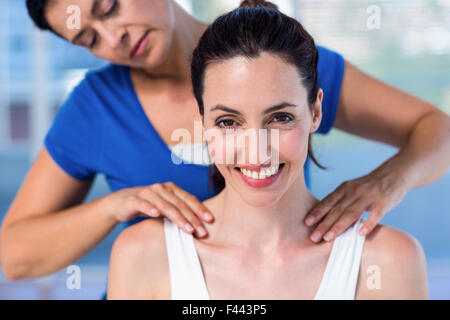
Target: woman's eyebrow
(280,106)
(226,109)
(267,111)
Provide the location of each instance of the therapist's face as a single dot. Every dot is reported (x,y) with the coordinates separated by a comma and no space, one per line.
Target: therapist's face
(137,33)
(239,96)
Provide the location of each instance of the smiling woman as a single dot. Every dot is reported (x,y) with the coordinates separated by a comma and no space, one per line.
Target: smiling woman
(295,45)
(247,62)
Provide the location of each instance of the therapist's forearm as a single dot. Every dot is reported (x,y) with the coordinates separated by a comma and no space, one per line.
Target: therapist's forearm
(425,157)
(37,246)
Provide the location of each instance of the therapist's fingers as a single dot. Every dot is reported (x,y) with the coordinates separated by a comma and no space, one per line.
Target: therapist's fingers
(377,212)
(170,196)
(166,208)
(144,208)
(349,215)
(324,206)
(137,206)
(331,217)
(199,209)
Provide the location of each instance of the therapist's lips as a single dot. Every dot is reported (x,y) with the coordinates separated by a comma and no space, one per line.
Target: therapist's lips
(140,46)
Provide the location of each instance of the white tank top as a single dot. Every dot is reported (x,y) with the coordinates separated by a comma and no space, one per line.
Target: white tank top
(338,281)
(195,153)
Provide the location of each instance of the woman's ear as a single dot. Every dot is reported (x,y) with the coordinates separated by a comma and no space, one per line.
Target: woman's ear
(317,112)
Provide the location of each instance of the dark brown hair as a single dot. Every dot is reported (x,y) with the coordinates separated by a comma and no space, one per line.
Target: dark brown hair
(256,27)
(36,11)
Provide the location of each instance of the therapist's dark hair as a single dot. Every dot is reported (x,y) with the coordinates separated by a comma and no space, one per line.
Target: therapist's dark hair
(253,28)
(36,10)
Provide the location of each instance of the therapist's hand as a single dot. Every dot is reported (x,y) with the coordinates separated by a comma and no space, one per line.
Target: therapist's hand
(165,199)
(378,192)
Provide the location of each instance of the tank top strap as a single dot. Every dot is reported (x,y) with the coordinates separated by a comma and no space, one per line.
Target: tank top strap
(186,275)
(341,274)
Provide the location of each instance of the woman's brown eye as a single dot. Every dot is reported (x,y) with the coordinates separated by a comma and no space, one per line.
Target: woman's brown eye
(282,118)
(226,123)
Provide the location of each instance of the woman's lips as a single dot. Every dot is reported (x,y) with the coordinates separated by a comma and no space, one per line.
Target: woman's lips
(139,48)
(260,183)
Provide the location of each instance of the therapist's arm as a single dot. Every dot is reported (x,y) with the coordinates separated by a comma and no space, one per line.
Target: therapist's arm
(372,109)
(48,227)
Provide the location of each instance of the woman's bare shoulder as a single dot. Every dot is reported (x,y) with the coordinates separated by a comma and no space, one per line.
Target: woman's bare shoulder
(393,266)
(139,266)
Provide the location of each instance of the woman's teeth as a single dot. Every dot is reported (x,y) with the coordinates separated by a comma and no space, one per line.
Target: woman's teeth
(262,174)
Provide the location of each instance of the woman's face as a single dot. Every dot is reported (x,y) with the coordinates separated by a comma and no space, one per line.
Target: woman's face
(137,33)
(243,96)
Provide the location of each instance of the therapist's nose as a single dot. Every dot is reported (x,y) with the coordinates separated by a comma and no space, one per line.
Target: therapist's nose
(114,36)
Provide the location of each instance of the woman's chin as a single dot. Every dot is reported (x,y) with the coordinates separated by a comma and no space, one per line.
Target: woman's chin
(158,53)
(261,200)
(260,197)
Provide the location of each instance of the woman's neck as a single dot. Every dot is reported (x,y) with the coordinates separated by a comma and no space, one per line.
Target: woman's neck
(186,35)
(261,229)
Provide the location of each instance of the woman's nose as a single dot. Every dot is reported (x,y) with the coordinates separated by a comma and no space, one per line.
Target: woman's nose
(113,36)
(257,146)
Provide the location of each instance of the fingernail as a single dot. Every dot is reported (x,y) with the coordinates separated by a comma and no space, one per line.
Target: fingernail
(188,227)
(315,236)
(201,231)
(208,215)
(309,220)
(363,232)
(154,212)
(329,236)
